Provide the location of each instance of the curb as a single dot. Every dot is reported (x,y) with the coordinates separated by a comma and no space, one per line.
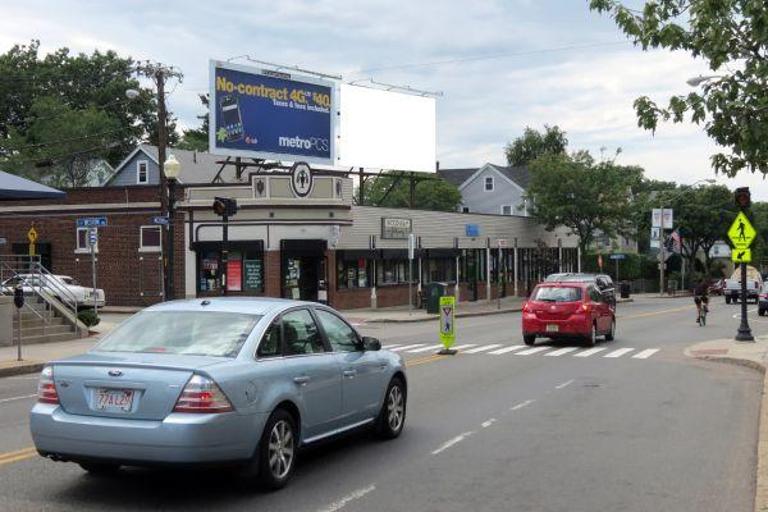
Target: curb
(761,477)
(22,368)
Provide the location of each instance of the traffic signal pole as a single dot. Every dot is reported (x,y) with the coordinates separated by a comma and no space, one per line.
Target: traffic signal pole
(744,333)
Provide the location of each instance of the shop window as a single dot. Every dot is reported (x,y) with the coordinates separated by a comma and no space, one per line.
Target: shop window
(393,271)
(81,244)
(244,270)
(440,270)
(142,172)
(352,274)
(150,239)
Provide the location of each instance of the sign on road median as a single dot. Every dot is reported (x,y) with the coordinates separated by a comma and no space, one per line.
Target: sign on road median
(447,321)
(741,255)
(741,232)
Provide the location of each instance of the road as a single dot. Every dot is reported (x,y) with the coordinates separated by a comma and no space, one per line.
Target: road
(498,429)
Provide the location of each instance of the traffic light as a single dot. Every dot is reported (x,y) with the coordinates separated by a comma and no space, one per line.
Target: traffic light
(224,206)
(743,197)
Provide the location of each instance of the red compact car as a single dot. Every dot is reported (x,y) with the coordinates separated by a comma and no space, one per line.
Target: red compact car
(568,310)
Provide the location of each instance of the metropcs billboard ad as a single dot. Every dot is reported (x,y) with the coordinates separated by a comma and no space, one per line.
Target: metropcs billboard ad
(270,116)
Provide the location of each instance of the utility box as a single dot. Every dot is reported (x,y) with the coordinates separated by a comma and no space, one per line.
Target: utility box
(432,294)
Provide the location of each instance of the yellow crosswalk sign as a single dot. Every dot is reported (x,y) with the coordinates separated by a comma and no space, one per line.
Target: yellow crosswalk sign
(741,255)
(741,232)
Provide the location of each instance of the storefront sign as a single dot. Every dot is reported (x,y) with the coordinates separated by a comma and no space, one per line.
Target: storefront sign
(234,275)
(271,117)
(301,179)
(253,277)
(396,228)
(472,230)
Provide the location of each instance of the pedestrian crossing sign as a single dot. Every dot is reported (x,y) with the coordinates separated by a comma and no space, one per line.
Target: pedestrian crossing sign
(447,321)
(741,232)
(741,255)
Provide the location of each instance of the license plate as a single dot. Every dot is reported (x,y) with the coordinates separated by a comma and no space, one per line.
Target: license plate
(553,327)
(113,400)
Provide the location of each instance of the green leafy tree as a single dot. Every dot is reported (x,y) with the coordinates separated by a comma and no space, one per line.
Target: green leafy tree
(731,36)
(645,197)
(393,189)
(586,196)
(196,139)
(532,144)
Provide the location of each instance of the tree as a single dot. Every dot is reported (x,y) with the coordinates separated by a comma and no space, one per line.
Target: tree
(583,195)
(533,144)
(645,197)
(731,36)
(196,139)
(393,189)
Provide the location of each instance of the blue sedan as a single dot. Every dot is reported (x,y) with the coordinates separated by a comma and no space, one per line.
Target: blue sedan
(241,381)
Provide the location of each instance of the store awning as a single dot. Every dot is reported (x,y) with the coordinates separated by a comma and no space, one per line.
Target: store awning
(15,187)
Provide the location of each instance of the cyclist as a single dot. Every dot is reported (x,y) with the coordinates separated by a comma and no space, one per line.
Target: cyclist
(701,297)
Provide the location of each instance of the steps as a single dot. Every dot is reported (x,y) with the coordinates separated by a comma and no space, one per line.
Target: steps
(42,325)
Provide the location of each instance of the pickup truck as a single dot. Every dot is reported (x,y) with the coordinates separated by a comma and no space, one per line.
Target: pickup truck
(732,289)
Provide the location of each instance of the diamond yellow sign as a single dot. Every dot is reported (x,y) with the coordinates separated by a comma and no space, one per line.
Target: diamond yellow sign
(741,255)
(741,232)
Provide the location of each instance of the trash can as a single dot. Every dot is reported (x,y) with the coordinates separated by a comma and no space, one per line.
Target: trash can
(624,289)
(432,294)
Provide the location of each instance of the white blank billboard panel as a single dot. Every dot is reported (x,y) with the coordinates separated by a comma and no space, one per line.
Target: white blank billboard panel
(386,130)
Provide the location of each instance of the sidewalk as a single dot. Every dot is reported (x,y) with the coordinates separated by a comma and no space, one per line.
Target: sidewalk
(753,355)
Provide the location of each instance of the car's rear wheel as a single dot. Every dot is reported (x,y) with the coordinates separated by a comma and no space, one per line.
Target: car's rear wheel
(591,338)
(277,450)
(99,468)
(391,418)
(529,339)
(609,336)
(727,299)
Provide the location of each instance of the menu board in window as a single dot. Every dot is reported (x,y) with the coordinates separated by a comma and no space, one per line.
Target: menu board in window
(234,275)
(253,276)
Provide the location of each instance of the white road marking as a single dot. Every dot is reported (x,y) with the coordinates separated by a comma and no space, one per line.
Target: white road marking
(14,398)
(645,354)
(461,347)
(354,495)
(488,423)
(589,352)
(424,349)
(534,350)
(482,348)
(619,353)
(506,349)
(521,405)
(390,347)
(398,349)
(738,315)
(452,442)
(564,384)
(562,351)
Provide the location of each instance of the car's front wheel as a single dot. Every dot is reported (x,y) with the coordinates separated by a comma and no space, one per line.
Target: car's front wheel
(391,418)
(277,450)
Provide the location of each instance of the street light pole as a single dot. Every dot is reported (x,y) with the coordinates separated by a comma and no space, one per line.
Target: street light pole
(172,169)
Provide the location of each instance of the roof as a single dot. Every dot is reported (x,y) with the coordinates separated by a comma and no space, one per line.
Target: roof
(249,305)
(15,187)
(197,167)
(519,175)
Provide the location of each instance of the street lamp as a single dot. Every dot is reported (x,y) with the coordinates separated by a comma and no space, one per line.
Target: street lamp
(172,169)
(698,80)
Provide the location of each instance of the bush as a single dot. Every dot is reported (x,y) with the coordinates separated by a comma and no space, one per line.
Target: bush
(88,317)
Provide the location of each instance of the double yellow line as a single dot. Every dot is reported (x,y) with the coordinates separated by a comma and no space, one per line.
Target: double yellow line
(11,457)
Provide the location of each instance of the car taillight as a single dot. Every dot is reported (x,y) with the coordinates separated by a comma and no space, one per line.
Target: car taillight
(46,389)
(586,307)
(526,309)
(202,395)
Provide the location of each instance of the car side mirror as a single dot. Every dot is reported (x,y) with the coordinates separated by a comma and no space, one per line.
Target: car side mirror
(371,344)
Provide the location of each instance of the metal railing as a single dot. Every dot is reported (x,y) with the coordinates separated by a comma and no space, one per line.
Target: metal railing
(29,272)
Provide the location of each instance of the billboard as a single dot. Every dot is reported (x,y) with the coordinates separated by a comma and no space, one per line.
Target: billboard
(269,115)
(386,130)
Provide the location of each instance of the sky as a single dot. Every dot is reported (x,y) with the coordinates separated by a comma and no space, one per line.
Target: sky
(501,65)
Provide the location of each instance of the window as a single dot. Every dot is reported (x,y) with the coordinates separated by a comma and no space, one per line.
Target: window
(352,274)
(82,245)
(558,294)
(340,335)
(300,333)
(506,209)
(244,271)
(392,271)
(489,183)
(142,172)
(270,345)
(465,209)
(150,239)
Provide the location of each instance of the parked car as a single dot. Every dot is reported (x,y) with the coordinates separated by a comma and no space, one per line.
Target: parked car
(62,287)
(567,310)
(762,301)
(603,282)
(243,382)
(732,289)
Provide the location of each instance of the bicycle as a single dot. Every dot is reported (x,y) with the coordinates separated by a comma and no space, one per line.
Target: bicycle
(703,303)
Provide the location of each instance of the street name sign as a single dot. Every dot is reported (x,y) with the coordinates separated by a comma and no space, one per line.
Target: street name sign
(618,256)
(741,232)
(741,255)
(89,222)
(160,220)
(447,321)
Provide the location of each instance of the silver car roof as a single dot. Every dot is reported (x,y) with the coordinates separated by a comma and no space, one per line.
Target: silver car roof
(249,305)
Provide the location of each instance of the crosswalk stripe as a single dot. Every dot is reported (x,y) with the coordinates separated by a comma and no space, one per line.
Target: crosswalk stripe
(589,352)
(482,348)
(506,349)
(424,349)
(619,353)
(562,351)
(398,349)
(533,350)
(645,354)
(462,347)
(390,347)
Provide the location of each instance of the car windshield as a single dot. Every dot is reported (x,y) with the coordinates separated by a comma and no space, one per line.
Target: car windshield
(210,333)
(557,294)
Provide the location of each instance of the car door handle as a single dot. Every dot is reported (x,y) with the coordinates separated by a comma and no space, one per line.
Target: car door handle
(383,366)
(301,380)
(350,373)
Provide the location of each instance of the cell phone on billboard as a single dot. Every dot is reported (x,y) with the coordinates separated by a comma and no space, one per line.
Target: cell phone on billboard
(231,120)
